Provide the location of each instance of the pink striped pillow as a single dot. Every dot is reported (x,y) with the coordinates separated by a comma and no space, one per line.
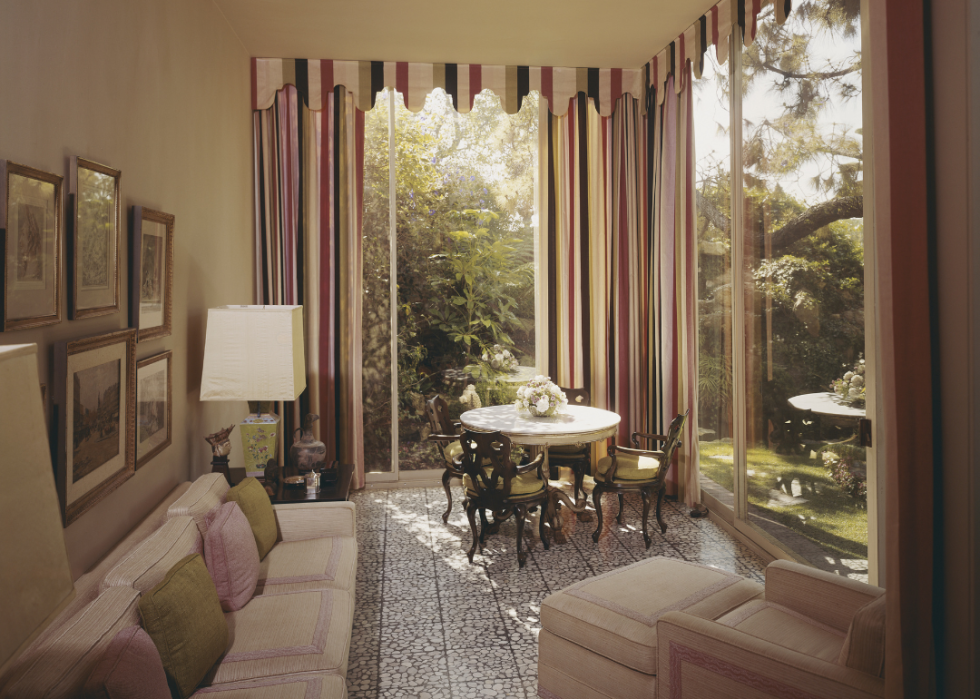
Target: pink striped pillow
(231,555)
(130,668)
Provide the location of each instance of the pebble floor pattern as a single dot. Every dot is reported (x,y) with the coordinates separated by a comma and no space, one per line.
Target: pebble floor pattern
(429,624)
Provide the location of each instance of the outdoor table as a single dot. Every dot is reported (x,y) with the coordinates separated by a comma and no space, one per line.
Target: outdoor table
(829,408)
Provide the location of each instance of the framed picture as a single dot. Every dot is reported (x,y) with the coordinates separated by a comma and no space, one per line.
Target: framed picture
(30,238)
(95,397)
(153,406)
(93,273)
(151,273)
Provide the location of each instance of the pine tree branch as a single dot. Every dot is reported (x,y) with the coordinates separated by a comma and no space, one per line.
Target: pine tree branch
(712,213)
(811,220)
(811,76)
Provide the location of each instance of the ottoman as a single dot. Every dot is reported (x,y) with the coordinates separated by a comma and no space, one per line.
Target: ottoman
(599,637)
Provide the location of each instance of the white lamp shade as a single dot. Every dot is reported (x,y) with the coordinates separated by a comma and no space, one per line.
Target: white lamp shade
(254,353)
(36,581)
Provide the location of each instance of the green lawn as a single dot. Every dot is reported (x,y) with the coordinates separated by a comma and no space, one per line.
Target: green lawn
(836,521)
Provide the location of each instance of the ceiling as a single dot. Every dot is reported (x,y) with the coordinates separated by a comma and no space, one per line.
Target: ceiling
(573,33)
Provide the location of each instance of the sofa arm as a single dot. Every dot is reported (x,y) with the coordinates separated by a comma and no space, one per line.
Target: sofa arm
(313,520)
(817,594)
(701,658)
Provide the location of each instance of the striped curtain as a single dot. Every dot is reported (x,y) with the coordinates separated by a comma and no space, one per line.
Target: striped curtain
(621,266)
(308,194)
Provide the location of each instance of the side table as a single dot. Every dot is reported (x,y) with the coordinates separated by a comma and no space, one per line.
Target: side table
(338,491)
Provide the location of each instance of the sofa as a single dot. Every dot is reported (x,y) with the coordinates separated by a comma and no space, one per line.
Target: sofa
(665,627)
(295,629)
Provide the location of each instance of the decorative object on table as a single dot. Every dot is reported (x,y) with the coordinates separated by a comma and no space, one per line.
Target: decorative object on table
(151,273)
(312,482)
(306,451)
(34,546)
(445,433)
(95,384)
(255,354)
(851,388)
(634,469)
(93,269)
(500,359)
(329,473)
(30,239)
(272,478)
(220,449)
(470,399)
(540,397)
(154,406)
(295,481)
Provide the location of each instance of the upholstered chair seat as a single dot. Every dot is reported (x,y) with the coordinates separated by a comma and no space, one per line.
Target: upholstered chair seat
(631,468)
(520,485)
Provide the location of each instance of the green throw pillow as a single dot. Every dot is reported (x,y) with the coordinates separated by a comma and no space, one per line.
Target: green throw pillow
(254,502)
(183,617)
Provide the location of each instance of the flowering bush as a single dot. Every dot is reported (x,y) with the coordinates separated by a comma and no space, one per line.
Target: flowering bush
(541,397)
(851,388)
(500,359)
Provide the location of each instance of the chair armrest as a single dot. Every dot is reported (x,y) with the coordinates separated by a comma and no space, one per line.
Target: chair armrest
(314,520)
(443,438)
(534,463)
(653,453)
(697,657)
(817,594)
(647,435)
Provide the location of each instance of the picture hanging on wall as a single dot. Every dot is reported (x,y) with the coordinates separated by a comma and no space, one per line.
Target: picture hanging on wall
(93,272)
(151,273)
(95,398)
(30,238)
(153,406)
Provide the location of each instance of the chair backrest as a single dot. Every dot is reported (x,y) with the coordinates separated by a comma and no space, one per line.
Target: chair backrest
(437,410)
(673,442)
(577,396)
(483,449)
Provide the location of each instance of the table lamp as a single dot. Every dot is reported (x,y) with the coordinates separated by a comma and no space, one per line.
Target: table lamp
(255,354)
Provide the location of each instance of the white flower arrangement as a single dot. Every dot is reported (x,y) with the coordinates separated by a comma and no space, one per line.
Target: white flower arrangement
(540,397)
(851,388)
(501,359)
(470,398)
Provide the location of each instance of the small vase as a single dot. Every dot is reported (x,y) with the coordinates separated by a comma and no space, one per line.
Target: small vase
(536,413)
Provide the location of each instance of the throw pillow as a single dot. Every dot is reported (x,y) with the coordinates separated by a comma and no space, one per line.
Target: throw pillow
(130,668)
(255,503)
(183,617)
(231,556)
(864,646)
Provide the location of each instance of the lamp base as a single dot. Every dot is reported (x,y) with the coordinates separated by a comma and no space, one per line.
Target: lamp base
(260,442)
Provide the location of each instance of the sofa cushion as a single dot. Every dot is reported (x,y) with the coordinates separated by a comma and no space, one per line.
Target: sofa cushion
(147,564)
(615,614)
(307,686)
(205,494)
(59,666)
(312,564)
(787,628)
(183,617)
(130,668)
(525,484)
(254,502)
(287,633)
(630,468)
(231,556)
(864,646)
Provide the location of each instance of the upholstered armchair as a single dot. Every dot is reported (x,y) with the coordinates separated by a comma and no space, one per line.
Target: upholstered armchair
(445,433)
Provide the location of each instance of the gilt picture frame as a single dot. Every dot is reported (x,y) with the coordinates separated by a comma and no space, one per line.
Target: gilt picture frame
(95,406)
(154,406)
(93,270)
(30,241)
(151,273)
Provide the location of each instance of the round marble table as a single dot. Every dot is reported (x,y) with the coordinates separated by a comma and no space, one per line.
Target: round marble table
(577,425)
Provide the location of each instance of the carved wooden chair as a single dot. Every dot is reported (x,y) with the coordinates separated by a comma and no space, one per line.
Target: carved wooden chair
(445,433)
(576,456)
(492,481)
(633,469)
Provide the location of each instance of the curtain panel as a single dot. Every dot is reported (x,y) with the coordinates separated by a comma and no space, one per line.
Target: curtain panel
(308,194)
(621,266)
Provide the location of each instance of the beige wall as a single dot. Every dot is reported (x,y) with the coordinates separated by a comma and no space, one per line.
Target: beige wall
(160,90)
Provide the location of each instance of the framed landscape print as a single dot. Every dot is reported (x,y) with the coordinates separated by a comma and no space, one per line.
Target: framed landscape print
(153,406)
(93,271)
(95,396)
(30,239)
(151,273)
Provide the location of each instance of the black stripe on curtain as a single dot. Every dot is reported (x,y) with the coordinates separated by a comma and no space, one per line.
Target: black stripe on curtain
(583,213)
(452,84)
(703,31)
(741,18)
(377,79)
(552,256)
(303,87)
(523,84)
(593,74)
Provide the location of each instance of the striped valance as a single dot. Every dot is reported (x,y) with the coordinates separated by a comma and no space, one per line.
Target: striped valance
(713,28)
(315,79)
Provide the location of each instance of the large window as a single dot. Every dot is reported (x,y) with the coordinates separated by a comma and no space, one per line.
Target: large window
(783,372)
(462,208)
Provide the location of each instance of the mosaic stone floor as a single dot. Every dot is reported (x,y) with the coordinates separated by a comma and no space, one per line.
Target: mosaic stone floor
(429,624)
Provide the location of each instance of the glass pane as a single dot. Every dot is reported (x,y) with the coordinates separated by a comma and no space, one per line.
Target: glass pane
(712,121)
(465,226)
(804,283)
(376,298)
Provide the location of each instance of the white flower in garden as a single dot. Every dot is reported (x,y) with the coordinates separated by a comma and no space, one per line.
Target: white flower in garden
(543,404)
(848,375)
(854,392)
(857,380)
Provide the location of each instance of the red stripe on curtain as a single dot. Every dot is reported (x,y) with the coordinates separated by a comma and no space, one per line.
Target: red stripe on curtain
(326,81)
(476,82)
(547,89)
(401,79)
